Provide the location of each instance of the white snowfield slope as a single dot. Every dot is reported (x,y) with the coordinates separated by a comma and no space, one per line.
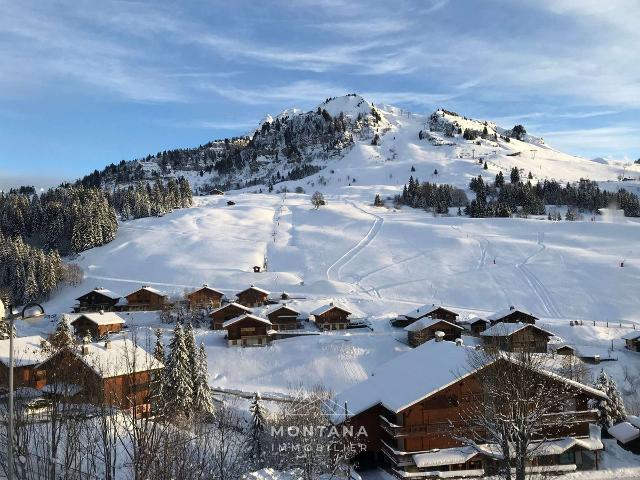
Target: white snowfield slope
(378,262)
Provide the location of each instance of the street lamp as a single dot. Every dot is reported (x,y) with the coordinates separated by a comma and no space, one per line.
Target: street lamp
(11,316)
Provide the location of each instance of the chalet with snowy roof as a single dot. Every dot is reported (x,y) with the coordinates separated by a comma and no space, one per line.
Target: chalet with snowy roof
(425,329)
(284,318)
(27,353)
(98,299)
(512,315)
(114,372)
(477,325)
(585,353)
(147,298)
(227,312)
(431,311)
(331,317)
(627,434)
(205,297)
(253,296)
(248,330)
(97,324)
(632,341)
(414,424)
(516,337)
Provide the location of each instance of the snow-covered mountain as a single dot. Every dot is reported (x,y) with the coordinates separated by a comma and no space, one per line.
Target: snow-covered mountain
(347,137)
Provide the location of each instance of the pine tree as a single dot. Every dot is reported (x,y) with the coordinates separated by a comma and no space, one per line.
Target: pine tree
(612,408)
(5,330)
(258,424)
(158,350)
(62,336)
(515,175)
(178,385)
(202,395)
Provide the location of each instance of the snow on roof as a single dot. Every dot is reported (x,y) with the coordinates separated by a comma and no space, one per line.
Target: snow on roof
(634,420)
(507,311)
(428,322)
(325,308)
(26,351)
(632,335)
(152,290)
(389,386)
(233,304)
(206,287)
(501,329)
(253,287)
(121,357)
(64,389)
(624,432)
(444,456)
(279,307)
(103,291)
(245,317)
(101,318)
(424,310)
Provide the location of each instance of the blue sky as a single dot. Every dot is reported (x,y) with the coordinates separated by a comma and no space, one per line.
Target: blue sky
(83,84)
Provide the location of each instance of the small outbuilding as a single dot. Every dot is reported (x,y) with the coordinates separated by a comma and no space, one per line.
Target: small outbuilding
(27,354)
(627,434)
(425,329)
(97,324)
(331,317)
(227,312)
(284,318)
(204,297)
(632,341)
(478,325)
(253,296)
(248,330)
(146,298)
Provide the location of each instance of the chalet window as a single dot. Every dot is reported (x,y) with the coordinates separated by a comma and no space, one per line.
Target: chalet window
(247,330)
(566,458)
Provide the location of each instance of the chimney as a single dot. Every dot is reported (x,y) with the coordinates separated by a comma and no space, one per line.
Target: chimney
(511,307)
(459,342)
(101,312)
(85,345)
(439,336)
(205,285)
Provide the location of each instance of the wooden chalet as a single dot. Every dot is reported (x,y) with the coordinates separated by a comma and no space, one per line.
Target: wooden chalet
(632,341)
(425,329)
(478,325)
(253,296)
(98,299)
(430,311)
(27,354)
(205,297)
(627,434)
(113,372)
(216,191)
(588,354)
(331,317)
(248,330)
(97,324)
(516,337)
(226,312)
(413,415)
(512,315)
(284,318)
(147,298)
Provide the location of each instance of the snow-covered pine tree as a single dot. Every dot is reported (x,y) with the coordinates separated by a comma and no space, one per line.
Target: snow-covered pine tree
(190,344)
(612,408)
(158,349)
(62,335)
(258,426)
(5,330)
(202,399)
(178,385)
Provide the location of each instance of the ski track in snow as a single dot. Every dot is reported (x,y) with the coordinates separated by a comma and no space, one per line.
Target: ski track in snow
(334,272)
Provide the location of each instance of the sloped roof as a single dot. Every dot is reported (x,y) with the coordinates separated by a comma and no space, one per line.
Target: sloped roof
(329,306)
(233,304)
(253,287)
(444,456)
(390,386)
(624,432)
(501,329)
(428,322)
(26,351)
(206,287)
(246,317)
(101,318)
(425,310)
(632,335)
(149,289)
(507,311)
(281,307)
(103,291)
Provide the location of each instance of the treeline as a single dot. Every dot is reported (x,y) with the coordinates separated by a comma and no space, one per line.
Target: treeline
(431,196)
(152,199)
(502,199)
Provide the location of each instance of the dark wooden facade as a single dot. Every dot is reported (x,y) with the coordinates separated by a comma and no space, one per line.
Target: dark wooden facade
(145,299)
(284,318)
(252,297)
(527,339)
(204,297)
(419,336)
(632,341)
(426,312)
(83,326)
(477,326)
(94,301)
(335,318)
(227,312)
(248,331)
(515,316)
(436,422)
(23,376)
